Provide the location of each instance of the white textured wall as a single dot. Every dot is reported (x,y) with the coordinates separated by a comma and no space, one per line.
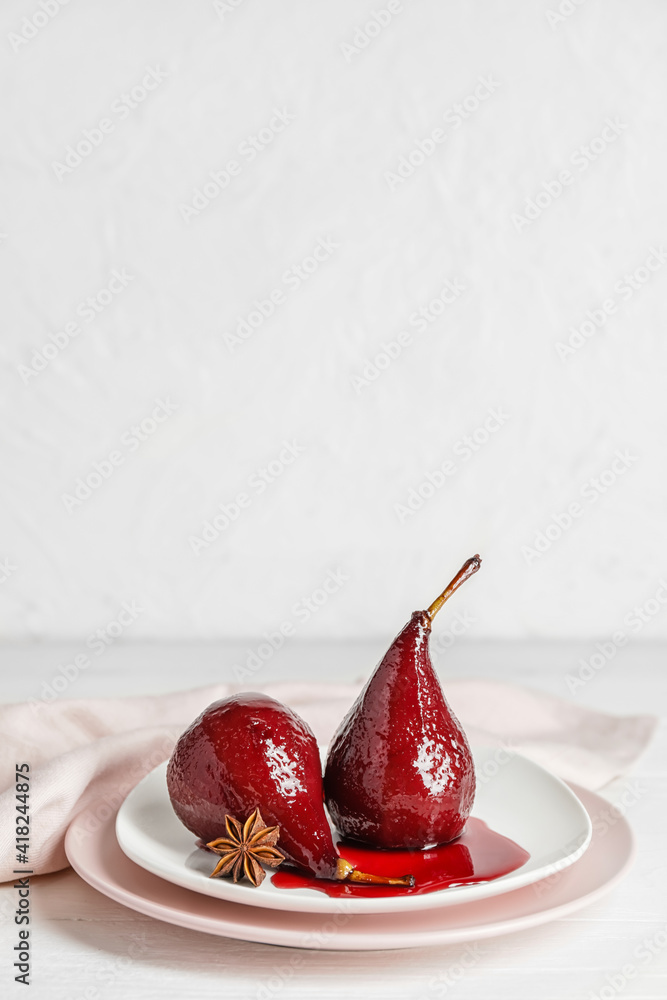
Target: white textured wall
(389,245)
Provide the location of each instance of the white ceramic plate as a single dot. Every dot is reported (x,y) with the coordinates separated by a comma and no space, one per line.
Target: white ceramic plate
(93,851)
(515,797)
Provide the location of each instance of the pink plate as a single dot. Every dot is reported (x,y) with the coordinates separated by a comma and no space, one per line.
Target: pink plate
(99,860)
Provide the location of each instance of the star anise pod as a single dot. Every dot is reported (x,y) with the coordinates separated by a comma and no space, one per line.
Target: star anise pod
(246,848)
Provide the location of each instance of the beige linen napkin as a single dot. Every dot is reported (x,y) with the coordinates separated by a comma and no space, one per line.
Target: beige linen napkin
(96,750)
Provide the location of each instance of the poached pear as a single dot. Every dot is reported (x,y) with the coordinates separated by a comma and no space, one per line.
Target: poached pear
(249,752)
(400,772)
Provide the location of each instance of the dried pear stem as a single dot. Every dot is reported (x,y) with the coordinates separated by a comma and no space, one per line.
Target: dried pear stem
(348,873)
(467,570)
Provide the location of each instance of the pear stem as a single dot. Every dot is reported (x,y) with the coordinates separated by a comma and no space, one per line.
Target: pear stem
(346,872)
(407,881)
(467,570)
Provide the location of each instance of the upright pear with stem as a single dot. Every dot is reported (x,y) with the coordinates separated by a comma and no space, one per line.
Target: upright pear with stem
(400,772)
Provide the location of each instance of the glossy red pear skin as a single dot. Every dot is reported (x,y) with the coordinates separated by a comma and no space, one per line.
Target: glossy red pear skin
(400,773)
(245,751)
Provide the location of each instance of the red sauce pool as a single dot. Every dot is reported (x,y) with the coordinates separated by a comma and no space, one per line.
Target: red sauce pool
(478,855)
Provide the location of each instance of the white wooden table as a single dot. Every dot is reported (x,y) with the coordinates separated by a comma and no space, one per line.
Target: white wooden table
(87,947)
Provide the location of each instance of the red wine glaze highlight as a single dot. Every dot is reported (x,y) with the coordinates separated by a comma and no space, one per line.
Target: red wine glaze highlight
(478,855)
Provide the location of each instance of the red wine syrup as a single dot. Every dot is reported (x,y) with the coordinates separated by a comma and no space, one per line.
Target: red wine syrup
(478,855)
